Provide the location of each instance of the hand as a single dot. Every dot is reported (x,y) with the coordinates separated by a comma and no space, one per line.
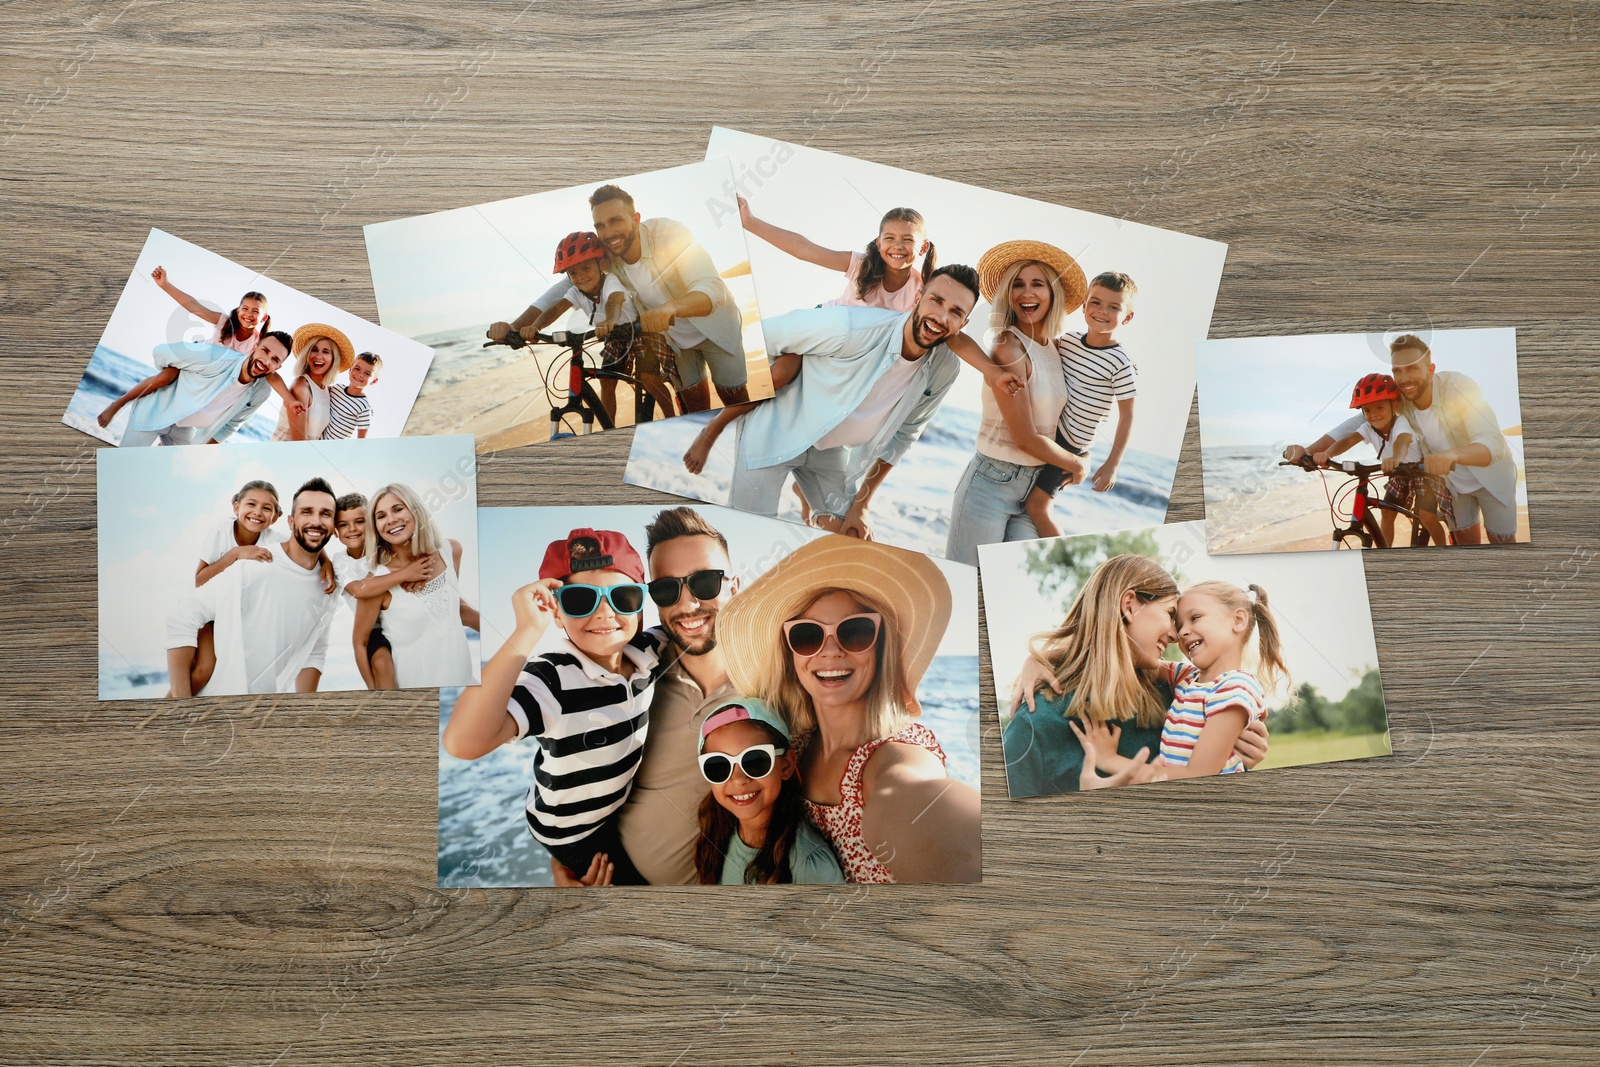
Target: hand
(1137,772)
(602,328)
(1003,382)
(105,417)
(1030,679)
(533,605)
(1073,471)
(1105,477)
(1252,743)
(656,320)
(1439,464)
(600,872)
(1098,738)
(254,553)
(159,276)
(296,406)
(744,212)
(1293,453)
(498,332)
(1390,464)
(1320,458)
(330,582)
(855,525)
(420,571)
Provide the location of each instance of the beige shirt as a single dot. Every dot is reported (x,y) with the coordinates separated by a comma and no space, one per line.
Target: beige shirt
(661,819)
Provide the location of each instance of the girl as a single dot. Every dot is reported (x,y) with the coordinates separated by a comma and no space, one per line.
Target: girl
(881,276)
(753,825)
(1213,697)
(424,628)
(324,353)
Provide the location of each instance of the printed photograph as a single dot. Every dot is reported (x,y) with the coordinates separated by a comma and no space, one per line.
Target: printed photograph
(696,696)
(1397,440)
(1136,657)
(288,568)
(201,350)
(568,312)
(953,366)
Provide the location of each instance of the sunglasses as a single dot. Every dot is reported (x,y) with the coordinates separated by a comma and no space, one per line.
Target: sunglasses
(756,761)
(857,633)
(581,601)
(703,585)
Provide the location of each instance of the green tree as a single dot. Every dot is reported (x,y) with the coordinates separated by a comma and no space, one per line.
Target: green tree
(1309,711)
(1361,710)
(1063,564)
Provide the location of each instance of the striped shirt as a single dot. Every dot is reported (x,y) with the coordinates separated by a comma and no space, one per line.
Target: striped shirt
(1096,377)
(1194,701)
(346,415)
(590,725)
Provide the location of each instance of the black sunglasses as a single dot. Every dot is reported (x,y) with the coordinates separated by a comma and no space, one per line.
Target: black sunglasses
(581,601)
(703,585)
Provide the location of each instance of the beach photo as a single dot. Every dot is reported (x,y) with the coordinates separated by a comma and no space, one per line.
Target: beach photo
(202,350)
(953,366)
(1370,440)
(1135,657)
(696,696)
(568,312)
(288,567)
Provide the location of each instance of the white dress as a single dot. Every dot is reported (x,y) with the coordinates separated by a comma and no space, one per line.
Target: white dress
(425,632)
(316,416)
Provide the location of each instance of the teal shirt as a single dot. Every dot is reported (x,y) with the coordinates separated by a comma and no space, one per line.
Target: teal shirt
(1043,755)
(811,860)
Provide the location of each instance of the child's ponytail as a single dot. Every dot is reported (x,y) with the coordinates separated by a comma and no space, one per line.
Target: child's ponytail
(930,262)
(1269,643)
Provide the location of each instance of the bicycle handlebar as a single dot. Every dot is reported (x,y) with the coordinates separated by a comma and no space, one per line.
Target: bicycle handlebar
(1350,466)
(566,338)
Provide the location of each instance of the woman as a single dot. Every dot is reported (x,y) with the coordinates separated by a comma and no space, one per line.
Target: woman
(1031,287)
(423,626)
(836,638)
(1103,664)
(323,353)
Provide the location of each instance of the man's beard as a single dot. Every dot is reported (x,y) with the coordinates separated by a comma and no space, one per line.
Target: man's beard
(703,644)
(916,332)
(300,539)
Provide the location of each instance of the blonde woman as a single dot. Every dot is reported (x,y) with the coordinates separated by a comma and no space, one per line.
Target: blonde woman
(1031,287)
(424,627)
(836,639)
(1104,666)
(321,354)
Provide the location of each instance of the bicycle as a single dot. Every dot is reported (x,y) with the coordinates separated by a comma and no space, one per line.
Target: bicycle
(580,398)
(1364,503)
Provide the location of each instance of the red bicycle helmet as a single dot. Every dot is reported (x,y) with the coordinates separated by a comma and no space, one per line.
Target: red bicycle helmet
(577,248)
(1373,388)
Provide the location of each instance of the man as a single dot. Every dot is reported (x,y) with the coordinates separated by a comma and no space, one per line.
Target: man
(691,581)
(678,292)
(869,382)
(202,392)
(271,618)
(1461,442)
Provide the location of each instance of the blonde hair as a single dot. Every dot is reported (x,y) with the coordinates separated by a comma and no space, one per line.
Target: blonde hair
(1269,645)
(1001,314)
(425,540)
(304,361)
(1090,651)
(891,704)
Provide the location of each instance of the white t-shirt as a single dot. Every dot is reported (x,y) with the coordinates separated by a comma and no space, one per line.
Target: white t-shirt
(861,425)
(213,411)
(1460,480)
(219,539)
(1358,423)
(682,332)
(347,569)
(596,311)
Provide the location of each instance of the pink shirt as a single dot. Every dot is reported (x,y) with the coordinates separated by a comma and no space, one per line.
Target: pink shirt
(902,299)
(245,344)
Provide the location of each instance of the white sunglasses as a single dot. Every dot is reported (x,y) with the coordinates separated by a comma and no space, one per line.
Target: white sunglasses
(756,761)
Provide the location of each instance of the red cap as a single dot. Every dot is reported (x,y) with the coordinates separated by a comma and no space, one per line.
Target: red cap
(591,550)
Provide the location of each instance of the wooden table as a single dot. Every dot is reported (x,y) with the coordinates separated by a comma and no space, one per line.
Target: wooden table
(252,881)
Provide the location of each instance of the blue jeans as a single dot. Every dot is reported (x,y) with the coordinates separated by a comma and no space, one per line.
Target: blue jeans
(988,507)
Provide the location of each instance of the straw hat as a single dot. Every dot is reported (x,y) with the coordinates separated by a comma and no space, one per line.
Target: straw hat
(993,263)
(914,595)
(313,330)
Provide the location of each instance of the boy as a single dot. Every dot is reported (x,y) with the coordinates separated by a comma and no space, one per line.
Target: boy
(1098,372)
(587,701)
(1391,436)
(349,410)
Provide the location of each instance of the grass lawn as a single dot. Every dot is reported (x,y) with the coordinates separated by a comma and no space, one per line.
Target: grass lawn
(1298,749)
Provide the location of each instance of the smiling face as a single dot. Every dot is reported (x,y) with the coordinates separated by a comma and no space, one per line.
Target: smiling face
(256,510)
(393,520)
(311,521)
(351,527)
(250,311)
(1148,624)
(749,799)
(1030,295)
(320,356)
(1207,630)
(833,677)
(1413,372)
(361,373)
(1380,414)
(898,242)
(941,311)
(266,359)
(1106,309)
(585,275)
(691,623)
(605,633)
(616,225)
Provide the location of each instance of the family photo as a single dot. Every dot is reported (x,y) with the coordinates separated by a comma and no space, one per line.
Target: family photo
(200,350)
(576,310)
(682,696)
(1362,441)
(952,366)
(285,567)
(1136,657)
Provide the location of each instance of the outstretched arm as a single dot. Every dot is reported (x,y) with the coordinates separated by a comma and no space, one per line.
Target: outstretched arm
(788,241)
(920,823)
(159,380)
(185,301)
(479,724)
(297,411)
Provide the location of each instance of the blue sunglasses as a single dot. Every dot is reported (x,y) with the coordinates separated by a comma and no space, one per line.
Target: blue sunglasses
(581,601)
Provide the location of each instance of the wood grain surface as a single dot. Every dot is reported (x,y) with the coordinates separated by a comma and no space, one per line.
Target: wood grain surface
(252,881)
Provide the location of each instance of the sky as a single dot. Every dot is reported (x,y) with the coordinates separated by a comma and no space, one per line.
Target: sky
(1259,391)
(1318,599)
(837,202)
(145,316)
(155,504)
(471,266)
(513,542)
